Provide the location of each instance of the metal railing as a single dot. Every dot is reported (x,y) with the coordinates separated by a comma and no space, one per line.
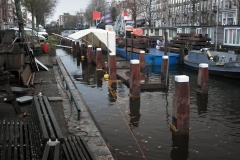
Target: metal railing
(68,87)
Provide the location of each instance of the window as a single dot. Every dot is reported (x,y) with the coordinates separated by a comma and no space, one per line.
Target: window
(232,36)
(187,30)
(179,30)
(210,32)
(198,30)
(170,33)
(156,32)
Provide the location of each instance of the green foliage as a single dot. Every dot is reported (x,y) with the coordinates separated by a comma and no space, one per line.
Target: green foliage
(52,41)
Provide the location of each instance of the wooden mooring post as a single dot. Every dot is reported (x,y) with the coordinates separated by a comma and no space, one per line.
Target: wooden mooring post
(99,59)
(164,68)
(181,105)
(73,46)
(89,54)
(70,43)
(83,50)
(112,66)
(135,84)
(78,49)
(142,61)
(203,78)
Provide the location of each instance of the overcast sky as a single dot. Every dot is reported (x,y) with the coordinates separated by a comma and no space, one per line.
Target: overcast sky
(69,6)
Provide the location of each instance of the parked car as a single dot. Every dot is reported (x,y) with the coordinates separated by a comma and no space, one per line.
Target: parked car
(32,34)
(42,31)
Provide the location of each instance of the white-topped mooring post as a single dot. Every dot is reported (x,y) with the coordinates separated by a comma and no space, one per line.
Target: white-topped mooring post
(135,85)
(70,43)
(181,104)
(112,66)
(142,61)
(203,78)
(74,47)
(99,59)
(89,54)
(164,68)
(78,49)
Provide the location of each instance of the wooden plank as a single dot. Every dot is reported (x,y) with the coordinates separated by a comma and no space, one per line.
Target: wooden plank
(10,142)
(25,74)
(56,127)
(194,39)
(1,130)
(15,150)
(179,41)
(5,138)
(46,152)
(74,149)
(136,43)
(176,45)
(32,79)
(47,121)
(191,35)
(135,50)
(41,120)
(56,151)
(86,150)
(29,78)
(68,150)
(27,145)
(22,153)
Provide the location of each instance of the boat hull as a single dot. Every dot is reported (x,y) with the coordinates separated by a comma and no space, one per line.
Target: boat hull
(218,70)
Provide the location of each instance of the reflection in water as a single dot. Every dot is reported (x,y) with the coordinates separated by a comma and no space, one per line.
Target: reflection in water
(78,61)
(202,101)
(157,68)
(167,114)
(112,91)
(99,78)
(134,105)
(179,146)
(89,75)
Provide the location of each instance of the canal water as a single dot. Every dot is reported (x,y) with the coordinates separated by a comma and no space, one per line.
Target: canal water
(138,129)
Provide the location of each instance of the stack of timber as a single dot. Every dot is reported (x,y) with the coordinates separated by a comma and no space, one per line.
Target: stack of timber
(152,40)
(136,44)
(186,41)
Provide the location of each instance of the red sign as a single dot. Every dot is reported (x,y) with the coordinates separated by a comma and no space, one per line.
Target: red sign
(96,15)
(125,14)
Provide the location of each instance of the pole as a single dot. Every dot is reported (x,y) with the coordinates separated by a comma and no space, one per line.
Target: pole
(216,27)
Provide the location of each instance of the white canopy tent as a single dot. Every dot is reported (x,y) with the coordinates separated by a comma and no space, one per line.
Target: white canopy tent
(97,38)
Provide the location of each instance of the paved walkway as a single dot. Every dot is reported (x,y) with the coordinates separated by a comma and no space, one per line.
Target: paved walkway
(65,112)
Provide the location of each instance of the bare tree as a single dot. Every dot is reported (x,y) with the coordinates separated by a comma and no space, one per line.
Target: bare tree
(39,8)
(95,5)
(20,19)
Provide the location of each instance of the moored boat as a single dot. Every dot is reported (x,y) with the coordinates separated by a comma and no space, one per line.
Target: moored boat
(225,64)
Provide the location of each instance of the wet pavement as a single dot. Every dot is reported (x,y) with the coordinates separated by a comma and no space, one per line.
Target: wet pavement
(49,83)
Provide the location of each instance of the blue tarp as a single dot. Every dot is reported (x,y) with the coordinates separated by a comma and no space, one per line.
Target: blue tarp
(154,57)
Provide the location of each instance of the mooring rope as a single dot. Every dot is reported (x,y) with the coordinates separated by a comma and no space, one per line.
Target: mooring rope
(126,122)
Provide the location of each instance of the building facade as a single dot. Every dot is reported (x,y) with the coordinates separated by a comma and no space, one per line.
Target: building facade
(7,14)
(217,18)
